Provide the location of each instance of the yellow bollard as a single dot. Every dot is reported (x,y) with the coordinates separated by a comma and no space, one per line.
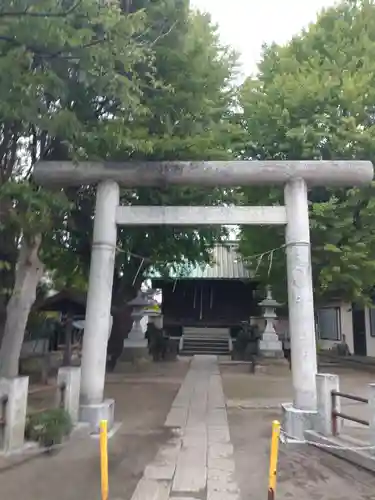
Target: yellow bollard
(273,459)
(104,459)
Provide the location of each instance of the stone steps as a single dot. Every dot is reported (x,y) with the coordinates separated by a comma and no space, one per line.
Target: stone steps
(204,345)
(204,340)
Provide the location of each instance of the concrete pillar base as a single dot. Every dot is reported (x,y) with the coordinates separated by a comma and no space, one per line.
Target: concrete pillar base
(295,422)
(92,414)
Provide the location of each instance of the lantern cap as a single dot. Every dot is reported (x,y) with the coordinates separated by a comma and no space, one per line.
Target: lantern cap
(269,301)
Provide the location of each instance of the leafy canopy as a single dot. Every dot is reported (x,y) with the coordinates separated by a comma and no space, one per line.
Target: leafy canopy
(314,99)
(188,117)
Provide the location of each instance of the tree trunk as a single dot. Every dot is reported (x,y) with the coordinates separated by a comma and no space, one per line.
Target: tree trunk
(29,271)
(8,260)
(122,324)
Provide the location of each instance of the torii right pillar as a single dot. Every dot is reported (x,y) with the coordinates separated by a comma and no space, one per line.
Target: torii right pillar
(299,416)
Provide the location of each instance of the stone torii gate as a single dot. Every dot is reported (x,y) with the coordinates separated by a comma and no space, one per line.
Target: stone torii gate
(296,176)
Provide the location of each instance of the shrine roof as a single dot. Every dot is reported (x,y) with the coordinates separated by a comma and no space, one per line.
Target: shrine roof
(226,263)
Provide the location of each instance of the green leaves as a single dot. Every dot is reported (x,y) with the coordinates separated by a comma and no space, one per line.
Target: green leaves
(182,111)
(66,66)
(313,99)
(32,210)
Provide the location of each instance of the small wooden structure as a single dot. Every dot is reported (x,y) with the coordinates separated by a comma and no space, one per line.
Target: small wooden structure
(66,302)
(70,304)
(218,295)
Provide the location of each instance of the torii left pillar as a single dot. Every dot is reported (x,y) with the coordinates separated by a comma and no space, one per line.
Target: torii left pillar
(93,406)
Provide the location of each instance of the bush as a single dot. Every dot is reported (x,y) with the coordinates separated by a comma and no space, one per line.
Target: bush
(246,344)
(157,343)
(49,427)
(172,349)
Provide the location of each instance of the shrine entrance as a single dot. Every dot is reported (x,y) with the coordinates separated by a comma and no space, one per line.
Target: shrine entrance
(295,176)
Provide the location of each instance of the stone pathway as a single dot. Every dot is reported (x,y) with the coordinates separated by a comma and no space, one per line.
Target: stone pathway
(197,463)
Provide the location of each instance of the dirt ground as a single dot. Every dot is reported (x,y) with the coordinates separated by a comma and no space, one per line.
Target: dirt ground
(143,397)
(144,394)
(304,472)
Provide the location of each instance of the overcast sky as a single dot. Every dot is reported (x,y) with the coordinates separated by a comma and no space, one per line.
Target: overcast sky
(247,24)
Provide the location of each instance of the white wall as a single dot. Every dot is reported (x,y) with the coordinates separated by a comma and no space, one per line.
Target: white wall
(282,326)
(346,326)
(347,329)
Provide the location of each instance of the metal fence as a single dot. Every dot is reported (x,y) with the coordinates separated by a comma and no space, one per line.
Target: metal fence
(338,414)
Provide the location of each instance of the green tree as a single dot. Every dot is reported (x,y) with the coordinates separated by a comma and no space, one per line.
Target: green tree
(32,213)
(89,81)
(67,69)
(189,117)
(314,99)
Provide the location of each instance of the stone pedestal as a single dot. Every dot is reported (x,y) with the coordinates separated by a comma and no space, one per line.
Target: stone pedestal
(295,422)
(93,414)
(135,346)
(270,346)
(325,384)
(269,343)
(136,334)
(70,376)
(13,401)
(134,350)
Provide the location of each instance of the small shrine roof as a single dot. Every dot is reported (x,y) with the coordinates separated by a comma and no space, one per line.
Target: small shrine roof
(226,263)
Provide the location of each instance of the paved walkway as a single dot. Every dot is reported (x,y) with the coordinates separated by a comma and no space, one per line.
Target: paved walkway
(197,463)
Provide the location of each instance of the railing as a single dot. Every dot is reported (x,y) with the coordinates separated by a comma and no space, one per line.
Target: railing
(3,406)
(61,388)
(338,414)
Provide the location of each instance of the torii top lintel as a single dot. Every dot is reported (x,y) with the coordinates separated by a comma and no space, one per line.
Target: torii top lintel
(205,173)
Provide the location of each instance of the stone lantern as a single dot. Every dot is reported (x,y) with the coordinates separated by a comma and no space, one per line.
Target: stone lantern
(269,344)
(149,294)
(136,338)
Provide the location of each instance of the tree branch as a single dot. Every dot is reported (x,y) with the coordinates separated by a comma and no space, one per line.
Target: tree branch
(47,54)
(40,14)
